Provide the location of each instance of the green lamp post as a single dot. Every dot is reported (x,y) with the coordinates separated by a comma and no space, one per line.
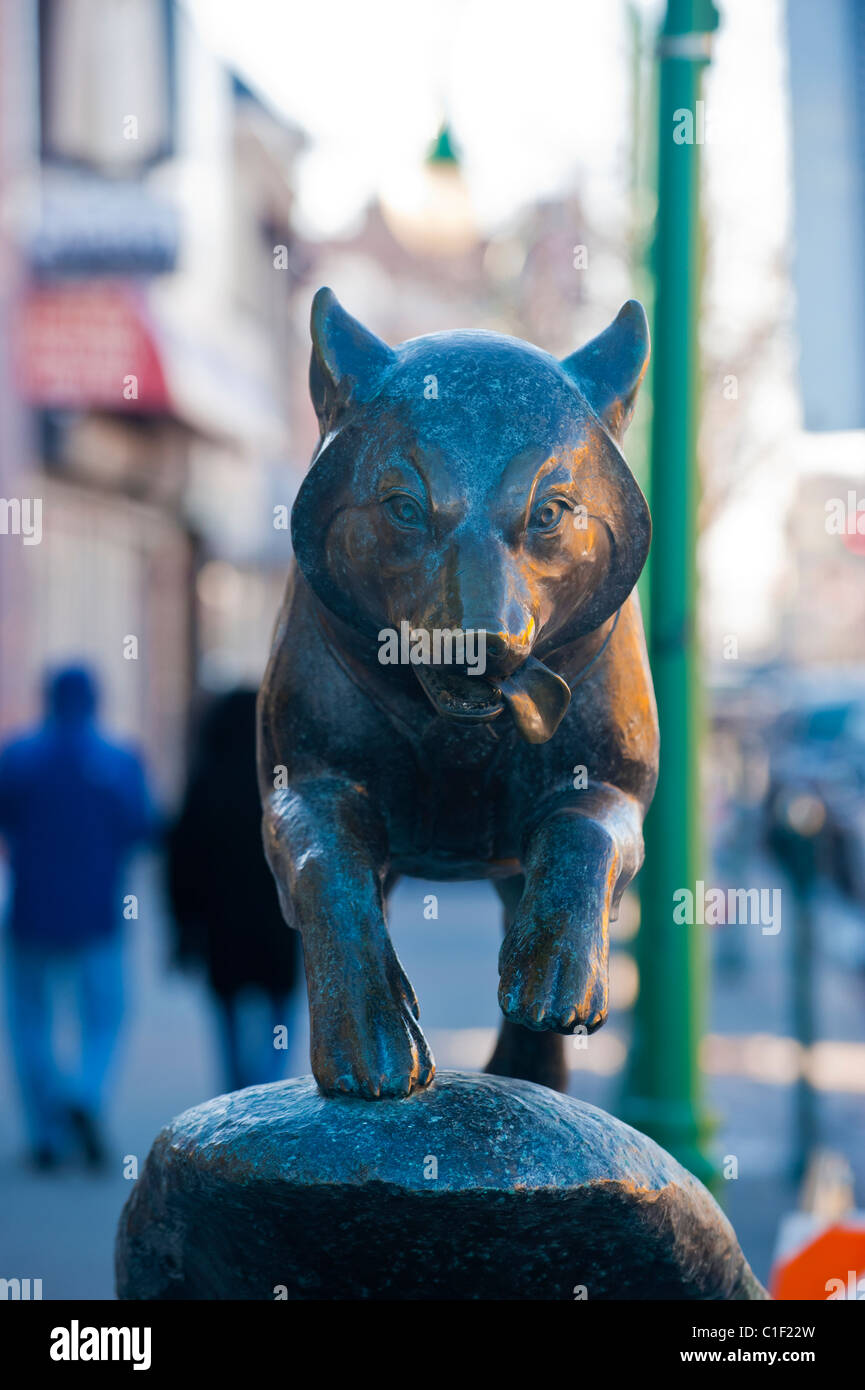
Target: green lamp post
(663,1091)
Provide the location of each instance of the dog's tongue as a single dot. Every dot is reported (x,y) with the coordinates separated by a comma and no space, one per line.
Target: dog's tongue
(537,699)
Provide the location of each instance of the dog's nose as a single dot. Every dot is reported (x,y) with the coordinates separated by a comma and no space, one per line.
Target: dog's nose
(496,644)
(505,650)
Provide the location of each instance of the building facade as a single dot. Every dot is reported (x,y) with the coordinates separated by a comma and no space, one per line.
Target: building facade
(149,264)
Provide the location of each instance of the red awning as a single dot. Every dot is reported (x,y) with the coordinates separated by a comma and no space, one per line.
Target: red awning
(119,346)
(80,346)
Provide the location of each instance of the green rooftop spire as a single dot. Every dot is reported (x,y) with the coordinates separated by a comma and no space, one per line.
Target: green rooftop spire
(443,150)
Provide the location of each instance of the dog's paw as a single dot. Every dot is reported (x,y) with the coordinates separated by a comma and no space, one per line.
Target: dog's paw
(554,983)
(369,1043)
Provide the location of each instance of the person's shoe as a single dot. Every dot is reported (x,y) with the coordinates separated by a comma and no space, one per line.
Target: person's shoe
(89,1136)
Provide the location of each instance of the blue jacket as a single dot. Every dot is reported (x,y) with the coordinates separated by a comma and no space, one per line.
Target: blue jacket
(72,808)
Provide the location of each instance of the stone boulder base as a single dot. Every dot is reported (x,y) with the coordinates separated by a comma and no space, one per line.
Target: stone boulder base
(480,1187)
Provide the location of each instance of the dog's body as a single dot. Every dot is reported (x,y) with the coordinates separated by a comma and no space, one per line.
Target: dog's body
(499,504)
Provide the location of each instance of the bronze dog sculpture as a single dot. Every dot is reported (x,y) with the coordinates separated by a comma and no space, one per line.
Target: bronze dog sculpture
(465,482)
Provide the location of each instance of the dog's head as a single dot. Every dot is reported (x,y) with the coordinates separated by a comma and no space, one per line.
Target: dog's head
(471,482)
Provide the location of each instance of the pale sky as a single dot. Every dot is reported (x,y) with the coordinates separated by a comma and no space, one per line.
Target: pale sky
(534,93)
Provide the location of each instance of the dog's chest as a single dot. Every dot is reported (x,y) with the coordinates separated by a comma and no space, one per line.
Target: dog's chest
(450,747)
(459,805)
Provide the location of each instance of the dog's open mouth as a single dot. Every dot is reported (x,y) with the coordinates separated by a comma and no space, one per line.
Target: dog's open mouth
(535,696)
(459,696)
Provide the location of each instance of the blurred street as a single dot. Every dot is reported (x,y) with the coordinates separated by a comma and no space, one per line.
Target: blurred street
(176,185)
(60,1227)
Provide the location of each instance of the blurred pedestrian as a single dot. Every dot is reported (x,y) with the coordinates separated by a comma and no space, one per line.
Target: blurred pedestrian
(223,897)
(73,805)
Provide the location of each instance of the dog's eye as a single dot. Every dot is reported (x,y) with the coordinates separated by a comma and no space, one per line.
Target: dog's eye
(402,508)
(547,514)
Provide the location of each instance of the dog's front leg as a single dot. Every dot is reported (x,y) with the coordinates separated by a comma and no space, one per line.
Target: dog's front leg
(327,848)
(554,960)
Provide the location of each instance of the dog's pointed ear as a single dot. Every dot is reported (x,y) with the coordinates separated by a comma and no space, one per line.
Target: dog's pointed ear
(609,369)
(348,362)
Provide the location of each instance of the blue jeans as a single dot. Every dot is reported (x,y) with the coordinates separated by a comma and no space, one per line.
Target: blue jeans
(246,1023)
(33,973)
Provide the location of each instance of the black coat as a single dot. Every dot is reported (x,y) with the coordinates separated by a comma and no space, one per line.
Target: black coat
(222,895)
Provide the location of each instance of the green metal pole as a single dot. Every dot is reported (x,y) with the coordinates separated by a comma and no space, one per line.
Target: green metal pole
(643,180)
(663,1095)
